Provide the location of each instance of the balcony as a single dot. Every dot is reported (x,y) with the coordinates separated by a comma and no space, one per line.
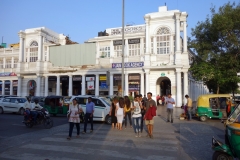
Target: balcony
(6,52)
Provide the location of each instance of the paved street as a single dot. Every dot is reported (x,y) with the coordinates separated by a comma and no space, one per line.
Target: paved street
(180,140)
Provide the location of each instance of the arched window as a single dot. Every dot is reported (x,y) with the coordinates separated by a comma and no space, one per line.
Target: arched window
(163,40)
(33,52)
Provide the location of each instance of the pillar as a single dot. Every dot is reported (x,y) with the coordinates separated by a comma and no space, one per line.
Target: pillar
(4,62)
(58,86)
(19,88)
(21,48)
(177,36)
(97,85)
(126,84)
(184,36)
(46,86)
(141,46)
(185,84)
(12,62)
(70,85)
(111,85)
(147,34)
(3,87)
(83,85)
(11,87)
(38,90)
(142,84)
(40,47)
(179,86)
(147,82)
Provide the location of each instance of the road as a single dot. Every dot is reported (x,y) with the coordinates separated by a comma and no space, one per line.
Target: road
(181,140)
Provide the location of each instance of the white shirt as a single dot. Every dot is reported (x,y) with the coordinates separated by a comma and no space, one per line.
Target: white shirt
(36,106)
(27,105)
(137,110)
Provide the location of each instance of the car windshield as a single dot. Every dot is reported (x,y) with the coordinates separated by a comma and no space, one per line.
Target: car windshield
(67,100)
(235,114)
(106,100)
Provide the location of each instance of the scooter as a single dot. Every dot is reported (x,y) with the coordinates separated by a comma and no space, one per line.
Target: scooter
(231,148)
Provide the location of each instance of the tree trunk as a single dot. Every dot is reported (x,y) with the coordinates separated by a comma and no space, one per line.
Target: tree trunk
(218,89)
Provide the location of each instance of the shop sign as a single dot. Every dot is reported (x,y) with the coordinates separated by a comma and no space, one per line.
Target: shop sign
(128,30)
(103,78)
(162,74)
(117,42)
(134,41)
(52,78)
(128,65)
(15,83)
(90,78)
(90,85)
(77,78)
(133,87)
(4,74)
(103,85)
(117,77)
(134,77)
(64,78)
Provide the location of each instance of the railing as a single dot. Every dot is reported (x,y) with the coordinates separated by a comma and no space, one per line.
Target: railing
(9,51)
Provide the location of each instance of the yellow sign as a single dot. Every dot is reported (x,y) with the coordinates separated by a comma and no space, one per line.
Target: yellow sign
(102,78)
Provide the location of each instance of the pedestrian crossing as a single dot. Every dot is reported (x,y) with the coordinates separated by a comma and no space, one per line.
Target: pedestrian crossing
(104,143)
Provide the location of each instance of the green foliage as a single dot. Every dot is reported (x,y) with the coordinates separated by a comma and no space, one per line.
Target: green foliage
(217,44)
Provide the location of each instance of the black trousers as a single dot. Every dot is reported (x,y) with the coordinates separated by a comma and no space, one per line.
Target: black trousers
(128,116)
(86,118)
(142,122)
(71,125)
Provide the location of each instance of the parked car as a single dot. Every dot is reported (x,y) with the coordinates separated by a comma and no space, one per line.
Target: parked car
(101,110)
(39,98)
(13,104)
(2,97)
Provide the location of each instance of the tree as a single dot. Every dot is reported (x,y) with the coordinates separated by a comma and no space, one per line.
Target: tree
(217,44)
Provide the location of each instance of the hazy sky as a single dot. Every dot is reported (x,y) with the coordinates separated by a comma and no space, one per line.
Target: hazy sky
(83,19)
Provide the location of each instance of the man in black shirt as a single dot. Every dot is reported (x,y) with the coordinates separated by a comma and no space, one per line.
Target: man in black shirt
(143,111)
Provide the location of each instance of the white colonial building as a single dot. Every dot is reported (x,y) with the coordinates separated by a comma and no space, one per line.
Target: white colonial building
(156,59)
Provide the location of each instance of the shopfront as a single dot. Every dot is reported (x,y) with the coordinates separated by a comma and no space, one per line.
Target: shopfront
(64,80)
(134,84)
(117,84)
(77,85)
(103,87)
(90,85)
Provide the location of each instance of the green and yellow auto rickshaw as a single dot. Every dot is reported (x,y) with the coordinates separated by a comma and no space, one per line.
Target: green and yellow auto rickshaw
(212,106)
(55,105)
(231,148)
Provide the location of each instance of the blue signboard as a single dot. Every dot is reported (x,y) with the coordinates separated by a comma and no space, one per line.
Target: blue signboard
(128,65)
(103,85)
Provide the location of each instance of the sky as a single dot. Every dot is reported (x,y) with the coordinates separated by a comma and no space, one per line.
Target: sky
(83,19)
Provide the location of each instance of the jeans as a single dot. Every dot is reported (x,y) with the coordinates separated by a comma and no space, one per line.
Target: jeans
(137,124)
(27,114)
(86,118)
(71,125)
(189,109)
(34,114)
(142,122)
(170,113)
(128,115)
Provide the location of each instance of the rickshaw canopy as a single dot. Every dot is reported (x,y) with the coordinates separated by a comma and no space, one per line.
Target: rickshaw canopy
(203,100)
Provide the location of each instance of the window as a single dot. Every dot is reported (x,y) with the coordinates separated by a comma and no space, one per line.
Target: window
(81,101)
(6,100)
(1,63)
(8,63)
(13,100)
(21,100)
(15,63)
(118,50)
(134,49)
(104,52)
(45,53)
(97,102)
(144,45)
(33,54)
(163,41)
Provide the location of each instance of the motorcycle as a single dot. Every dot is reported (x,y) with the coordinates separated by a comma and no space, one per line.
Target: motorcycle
(43,117)
(231,148)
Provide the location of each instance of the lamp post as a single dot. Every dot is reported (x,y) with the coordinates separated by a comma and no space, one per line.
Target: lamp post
(123,48)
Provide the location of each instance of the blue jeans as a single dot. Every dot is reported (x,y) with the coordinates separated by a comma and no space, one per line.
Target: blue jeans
(189,113)
(137,124)
(34,114)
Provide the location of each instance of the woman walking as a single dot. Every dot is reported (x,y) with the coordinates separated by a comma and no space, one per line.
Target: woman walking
(73,118)
(127,110)
(112,113)
(120,113)
(137,116)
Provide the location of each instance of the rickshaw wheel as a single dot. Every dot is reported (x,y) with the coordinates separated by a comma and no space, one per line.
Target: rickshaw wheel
(203,118)
(221,156)
(48,123)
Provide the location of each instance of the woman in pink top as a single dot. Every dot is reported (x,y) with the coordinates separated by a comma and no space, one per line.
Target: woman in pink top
(73,117)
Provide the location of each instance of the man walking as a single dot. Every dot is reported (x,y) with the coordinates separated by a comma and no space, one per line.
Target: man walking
(189,107)
(170,102)
(89,114)
(149,123)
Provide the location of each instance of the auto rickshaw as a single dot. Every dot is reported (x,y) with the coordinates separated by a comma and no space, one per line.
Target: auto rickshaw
(231,148)
(212,106)
(55,105)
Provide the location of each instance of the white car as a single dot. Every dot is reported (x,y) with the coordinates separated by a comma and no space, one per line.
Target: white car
(101,110)
(13,104)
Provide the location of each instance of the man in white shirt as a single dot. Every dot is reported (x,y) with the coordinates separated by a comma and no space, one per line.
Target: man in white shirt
(27,107)
(34,107)
(170,102)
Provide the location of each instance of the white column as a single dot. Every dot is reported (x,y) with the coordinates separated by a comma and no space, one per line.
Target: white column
(3,87)
(179,86)
(97,85)
(12,62)
(19,89)
(70,87)
(126,84)
(147,82)
(142,46)
(184,36)
(185,85)
(126,48)
(40,48)
(111,85)
(46,86)
(142,84)
(83,85)
(177,32)
(147,35)
(4,62)
(154,45)
(171,45)
(38,90)
(21,49)
(58,86)
(11,87)
(28,55)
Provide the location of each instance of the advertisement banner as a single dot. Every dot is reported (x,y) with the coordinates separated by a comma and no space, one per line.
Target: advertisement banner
(90,78)
(90,85)
(7,74)
(128,65)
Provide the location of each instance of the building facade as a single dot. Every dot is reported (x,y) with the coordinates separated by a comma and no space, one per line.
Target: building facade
(156,59)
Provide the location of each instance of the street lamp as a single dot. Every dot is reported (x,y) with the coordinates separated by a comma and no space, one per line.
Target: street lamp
(123,48)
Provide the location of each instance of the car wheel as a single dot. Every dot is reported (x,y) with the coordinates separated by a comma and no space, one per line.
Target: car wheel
(21,111)
(221,155)
(203,118)
(108,119)
(1,110)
